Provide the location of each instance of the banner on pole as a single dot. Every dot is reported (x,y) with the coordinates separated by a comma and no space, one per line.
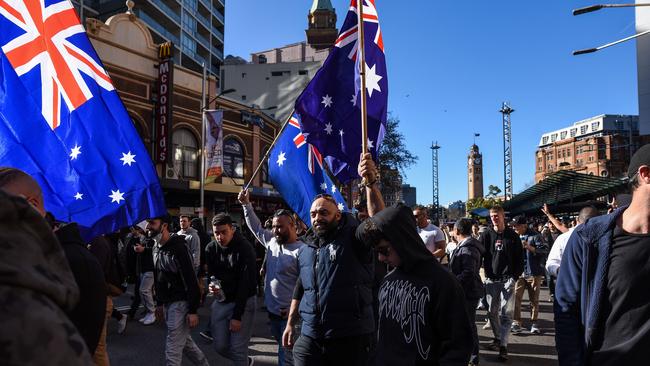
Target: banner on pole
(213,144)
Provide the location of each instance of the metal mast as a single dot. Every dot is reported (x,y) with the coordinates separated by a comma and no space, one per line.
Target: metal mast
(434,178)
(507,150)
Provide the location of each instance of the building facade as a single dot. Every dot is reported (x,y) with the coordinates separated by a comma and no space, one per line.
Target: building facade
(409,195)
(600,145)
(474,173)
(195,27)
(129,52)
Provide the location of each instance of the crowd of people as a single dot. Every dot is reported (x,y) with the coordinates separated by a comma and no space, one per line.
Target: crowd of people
(384,286)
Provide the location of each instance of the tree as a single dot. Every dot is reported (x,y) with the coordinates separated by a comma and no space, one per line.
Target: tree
(481,202)
(394,158)
(493,191)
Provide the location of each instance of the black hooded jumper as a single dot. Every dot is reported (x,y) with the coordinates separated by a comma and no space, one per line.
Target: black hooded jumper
(422,317)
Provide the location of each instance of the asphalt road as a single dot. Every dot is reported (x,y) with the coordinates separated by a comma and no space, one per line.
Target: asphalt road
(145,345)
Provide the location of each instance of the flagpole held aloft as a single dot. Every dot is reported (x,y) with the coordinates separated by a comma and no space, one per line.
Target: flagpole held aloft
(268,152)
(362,73)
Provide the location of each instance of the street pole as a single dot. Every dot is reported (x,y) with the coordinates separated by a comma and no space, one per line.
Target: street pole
(202,195)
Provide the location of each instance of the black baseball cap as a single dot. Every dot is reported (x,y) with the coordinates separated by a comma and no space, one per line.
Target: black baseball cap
(640,157)
(519,220)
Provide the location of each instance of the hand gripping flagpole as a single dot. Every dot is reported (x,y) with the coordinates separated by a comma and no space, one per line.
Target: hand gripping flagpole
(268,152)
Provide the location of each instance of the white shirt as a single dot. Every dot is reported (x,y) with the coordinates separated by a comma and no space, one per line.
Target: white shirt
(555,256)
(430,236)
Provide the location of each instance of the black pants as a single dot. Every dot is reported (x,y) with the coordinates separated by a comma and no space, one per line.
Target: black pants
(471,305)
(336,352)
(136,300)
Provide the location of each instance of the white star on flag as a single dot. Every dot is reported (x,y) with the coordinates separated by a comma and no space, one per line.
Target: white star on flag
(341,133)
(327,101)
(116,196)
(79,196)
(340,206)
(323,186)
(370,144)
(372,80)
(127,159)
(74,153)
(354,100)
(333,189)
(281,159)
(328,128)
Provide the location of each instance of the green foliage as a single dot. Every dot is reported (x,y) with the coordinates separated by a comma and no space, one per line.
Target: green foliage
(481,202)
(493,191)
(394,158)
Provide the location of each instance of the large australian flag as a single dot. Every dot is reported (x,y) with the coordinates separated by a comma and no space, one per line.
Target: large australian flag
(64,124)
(297,172)
(329,107)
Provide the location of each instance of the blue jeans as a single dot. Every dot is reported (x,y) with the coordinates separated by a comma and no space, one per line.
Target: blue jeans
(285,357)
(501,301)
(231,345)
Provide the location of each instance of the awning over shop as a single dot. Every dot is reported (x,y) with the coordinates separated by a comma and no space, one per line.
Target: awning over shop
(564,188)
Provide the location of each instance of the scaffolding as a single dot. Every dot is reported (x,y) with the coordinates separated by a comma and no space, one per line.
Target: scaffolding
(436,186)
(506,111)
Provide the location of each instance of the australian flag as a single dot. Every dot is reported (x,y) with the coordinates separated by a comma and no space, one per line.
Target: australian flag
(330,106)
(63,123)
(296,171)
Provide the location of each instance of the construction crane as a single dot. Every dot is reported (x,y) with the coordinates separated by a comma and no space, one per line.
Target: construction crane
(434,171)
(506,111)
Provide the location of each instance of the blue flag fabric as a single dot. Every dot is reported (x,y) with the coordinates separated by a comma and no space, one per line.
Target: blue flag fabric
(296,171)
(62,122)
(329,107)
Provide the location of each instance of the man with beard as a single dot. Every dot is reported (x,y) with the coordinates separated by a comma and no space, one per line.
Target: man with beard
(282,246)
(334,289)
(231,260)
(192,239)
(177,292)
(422,315)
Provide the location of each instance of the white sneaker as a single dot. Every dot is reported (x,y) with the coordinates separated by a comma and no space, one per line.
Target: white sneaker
(121,324)
(487,325)
(149,319)
(534,329)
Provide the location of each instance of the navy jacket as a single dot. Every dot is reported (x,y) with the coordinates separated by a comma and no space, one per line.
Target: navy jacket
(336,275)
(534,265)
(581,287)
(465,264)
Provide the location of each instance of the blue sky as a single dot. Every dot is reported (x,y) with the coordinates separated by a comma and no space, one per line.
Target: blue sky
(452,63)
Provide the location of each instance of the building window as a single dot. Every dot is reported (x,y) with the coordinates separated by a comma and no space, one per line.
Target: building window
(594,126)
(573,132)
(243,75)
(188,21)
(544,140)
(280,73)
(568,153)
(243,97)
(265,167)
(553,137)
(302,72)
(233,158)
(185,153)
(192,4)
(188,44)
(563,135)
(583,129)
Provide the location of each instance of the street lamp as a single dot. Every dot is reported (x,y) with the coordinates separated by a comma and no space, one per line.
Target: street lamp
(592,8)
(223,92)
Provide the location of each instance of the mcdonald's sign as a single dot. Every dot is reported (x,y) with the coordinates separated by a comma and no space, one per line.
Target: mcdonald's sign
(165,50)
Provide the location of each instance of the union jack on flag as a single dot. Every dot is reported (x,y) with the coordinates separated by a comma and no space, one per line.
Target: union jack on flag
(64,124)
(329,107)
(297,172)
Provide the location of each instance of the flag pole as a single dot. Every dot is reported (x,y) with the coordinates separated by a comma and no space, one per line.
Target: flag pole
(268,152)
(203,107)
(362,73)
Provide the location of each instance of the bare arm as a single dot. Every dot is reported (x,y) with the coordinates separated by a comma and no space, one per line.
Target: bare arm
(441,246)
(553,220)
(368,171)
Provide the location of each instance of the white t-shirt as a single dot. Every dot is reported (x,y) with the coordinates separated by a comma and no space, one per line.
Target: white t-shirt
(430,235)
(555,256)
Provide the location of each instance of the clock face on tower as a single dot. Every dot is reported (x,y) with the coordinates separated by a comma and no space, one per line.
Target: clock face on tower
(477,161)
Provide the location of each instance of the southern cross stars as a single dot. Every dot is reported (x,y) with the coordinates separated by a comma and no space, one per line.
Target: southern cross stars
(74,153)
(354,100)
(328,128)
(116,196)
(333,189)
(281,159)
(341,207)
(341,133)
(327,101)
(79,196)
(127,159)
(323,186)
(372,80)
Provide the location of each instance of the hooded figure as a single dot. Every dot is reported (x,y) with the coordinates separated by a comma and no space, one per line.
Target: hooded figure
(422,317)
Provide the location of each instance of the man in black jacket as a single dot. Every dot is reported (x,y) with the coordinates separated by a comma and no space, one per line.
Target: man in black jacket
(465,264)
(503,263)
(177,292)
(334,289)
(231,260)
(422,316)
(88,314)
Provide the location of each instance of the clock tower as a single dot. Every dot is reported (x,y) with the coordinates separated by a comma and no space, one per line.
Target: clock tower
(474,173)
